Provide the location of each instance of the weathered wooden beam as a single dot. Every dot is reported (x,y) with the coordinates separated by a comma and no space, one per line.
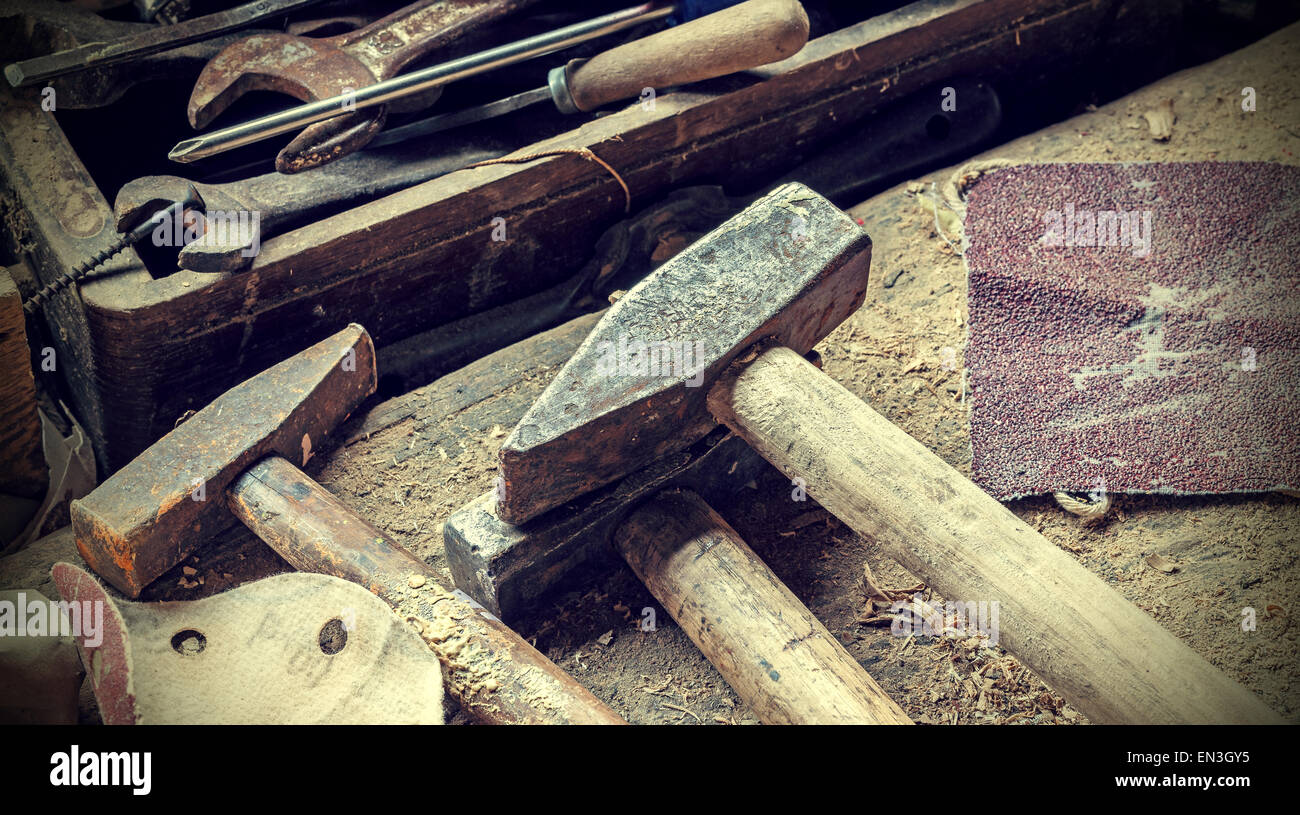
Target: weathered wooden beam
(22,460)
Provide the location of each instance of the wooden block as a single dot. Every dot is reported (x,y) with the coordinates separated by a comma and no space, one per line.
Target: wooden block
(770,648)
(22,460)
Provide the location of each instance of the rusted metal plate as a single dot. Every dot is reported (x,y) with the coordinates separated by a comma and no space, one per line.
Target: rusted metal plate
(790,267)
(156,510)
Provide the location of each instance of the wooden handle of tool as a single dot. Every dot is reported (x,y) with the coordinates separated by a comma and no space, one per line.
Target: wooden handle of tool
(768,646)
(1099,651)
(496,676)
(744,36)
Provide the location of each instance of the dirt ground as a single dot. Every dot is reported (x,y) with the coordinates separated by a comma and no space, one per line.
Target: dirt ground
(902,353)
(1231,552)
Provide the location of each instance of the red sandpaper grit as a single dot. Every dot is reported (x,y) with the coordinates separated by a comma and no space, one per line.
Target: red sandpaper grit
(1134,328)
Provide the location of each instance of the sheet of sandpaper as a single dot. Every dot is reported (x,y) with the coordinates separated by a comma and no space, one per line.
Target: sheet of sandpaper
(1134,328)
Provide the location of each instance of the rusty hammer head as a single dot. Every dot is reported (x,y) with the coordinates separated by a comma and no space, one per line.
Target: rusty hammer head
(788,268)
(626,416)
(152,513)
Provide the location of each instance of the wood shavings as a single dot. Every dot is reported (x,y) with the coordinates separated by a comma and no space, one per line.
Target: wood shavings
(1161,564)
(877,592)
(659,691)
(1089,510)
(683,711)
(1160,120)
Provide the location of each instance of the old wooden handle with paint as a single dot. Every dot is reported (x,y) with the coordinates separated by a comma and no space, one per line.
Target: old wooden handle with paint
(744,36)
(496,676)
(768,646)
(1099,651)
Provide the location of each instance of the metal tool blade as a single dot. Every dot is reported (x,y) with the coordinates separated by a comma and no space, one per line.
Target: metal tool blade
(95,54)
(460,118)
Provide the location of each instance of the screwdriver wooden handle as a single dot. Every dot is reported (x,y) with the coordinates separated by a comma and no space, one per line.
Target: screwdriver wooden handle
(744,36)
(496,676)
(1100,652)
(768,646)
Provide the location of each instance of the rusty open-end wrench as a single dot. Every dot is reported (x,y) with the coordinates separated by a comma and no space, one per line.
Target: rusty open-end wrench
(240,214)
(311,69)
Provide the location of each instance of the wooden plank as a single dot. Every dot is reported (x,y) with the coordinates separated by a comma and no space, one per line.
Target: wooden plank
(54,218)
(509,376)
(22,460)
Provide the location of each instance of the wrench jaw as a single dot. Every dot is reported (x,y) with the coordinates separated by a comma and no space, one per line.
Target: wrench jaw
(302,67)
(331,139)
(231,257)
(140,199)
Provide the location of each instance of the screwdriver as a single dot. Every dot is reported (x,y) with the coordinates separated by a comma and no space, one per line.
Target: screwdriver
(747,28)
(771,31)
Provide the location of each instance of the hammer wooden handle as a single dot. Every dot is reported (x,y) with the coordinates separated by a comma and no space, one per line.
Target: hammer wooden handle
(489,669)
(770,648)
(744,36)
(1099,651)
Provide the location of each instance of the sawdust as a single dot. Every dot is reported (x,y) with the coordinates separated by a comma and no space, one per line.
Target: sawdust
(903,352)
